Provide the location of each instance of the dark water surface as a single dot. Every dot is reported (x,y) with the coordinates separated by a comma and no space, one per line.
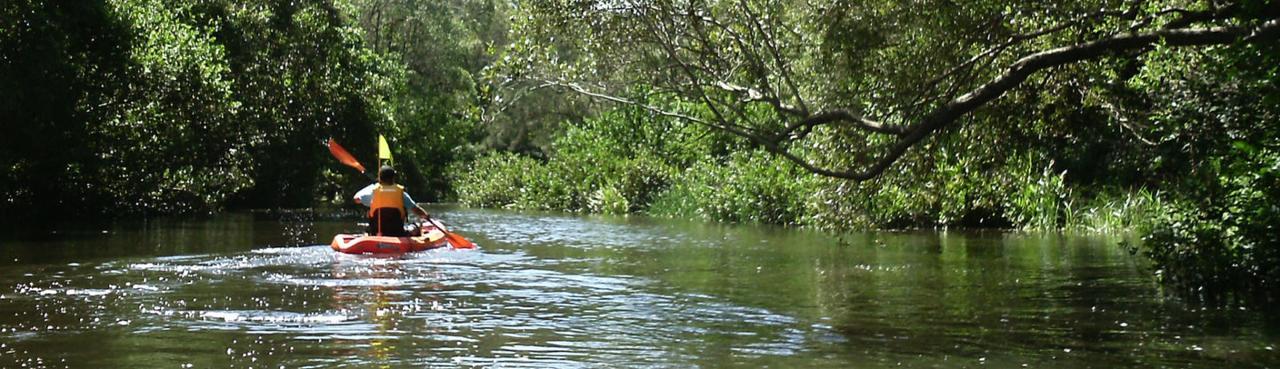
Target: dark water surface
(548,290)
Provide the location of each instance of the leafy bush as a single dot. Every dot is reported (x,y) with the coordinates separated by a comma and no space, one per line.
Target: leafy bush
(1217,145)
(608,200)
(495,180)
(1211,245)
(642,180)
(615,163)
(750,186)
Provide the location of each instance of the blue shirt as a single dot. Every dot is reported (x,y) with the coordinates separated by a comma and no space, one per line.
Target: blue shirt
(366,197)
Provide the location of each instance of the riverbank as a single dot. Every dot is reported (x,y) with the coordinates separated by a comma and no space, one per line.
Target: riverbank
(1215,248)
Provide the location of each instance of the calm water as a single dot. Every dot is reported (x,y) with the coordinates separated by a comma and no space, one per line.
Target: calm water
(549,290)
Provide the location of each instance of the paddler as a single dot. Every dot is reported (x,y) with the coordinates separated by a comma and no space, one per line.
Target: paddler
(387,202)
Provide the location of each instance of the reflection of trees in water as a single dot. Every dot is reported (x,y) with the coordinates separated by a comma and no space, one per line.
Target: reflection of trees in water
(998,296)
(383,301)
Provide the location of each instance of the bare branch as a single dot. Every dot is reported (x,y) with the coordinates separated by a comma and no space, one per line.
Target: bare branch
(1017,39)
(783,70)
(666,42)
(1117,114)
(656,110)
(501,105)
(752,58)
(752,95)
(844,116)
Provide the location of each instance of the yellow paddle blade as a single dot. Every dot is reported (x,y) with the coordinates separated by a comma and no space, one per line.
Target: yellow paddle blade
(384,151)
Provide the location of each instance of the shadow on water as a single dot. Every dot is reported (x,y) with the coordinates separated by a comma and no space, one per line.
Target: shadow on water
(78,241)
(551,290)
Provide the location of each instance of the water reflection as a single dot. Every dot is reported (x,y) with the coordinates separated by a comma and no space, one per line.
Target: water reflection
(549,290)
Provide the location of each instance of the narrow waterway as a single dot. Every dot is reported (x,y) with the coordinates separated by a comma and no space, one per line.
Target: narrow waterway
(550,290)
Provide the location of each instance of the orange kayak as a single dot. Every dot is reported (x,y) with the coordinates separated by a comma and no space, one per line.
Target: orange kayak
(365,244)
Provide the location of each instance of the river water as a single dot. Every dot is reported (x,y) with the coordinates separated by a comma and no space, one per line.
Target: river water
(552,290)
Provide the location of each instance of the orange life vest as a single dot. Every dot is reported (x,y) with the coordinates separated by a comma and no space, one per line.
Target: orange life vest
(388,197)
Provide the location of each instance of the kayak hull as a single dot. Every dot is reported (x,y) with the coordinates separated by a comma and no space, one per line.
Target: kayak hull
(366,244)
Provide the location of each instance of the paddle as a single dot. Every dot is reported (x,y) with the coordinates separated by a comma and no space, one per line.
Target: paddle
(346,158)
(454,239)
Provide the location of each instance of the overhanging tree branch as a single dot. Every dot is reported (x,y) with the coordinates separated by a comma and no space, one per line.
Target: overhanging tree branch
(1025,67)
(656,110)
(841,115)
(732,58)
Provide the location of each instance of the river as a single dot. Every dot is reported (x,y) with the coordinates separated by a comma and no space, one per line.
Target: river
(553,290)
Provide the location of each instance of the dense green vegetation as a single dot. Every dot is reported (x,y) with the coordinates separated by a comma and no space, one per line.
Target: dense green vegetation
(1079,115)
(1153,116)
(180,106)
(155,106)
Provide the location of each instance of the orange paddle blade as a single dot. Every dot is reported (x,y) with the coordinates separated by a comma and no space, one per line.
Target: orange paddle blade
(454,239)
(458,242)
(343,156)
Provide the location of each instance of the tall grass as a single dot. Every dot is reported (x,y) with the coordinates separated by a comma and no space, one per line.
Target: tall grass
(1128,211)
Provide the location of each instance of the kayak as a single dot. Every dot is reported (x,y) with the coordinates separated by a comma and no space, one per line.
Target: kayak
(422,237)
(366,244)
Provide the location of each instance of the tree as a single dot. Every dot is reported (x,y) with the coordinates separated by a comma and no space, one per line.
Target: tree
(160,106)
(828,67)
(444,46)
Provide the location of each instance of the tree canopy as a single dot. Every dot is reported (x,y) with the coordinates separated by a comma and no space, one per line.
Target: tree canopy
(881,77)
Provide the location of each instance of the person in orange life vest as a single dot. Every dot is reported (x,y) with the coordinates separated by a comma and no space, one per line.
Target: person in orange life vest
(387,202)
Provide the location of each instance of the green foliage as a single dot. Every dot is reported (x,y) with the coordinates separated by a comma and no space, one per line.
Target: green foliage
(441,48)
(642,180)
(57,62)
(495,180)
(608,200)
(1039,202)
(1217,145)
(1210,246)
(158,106)
(172,154)
(749,186)
(616,163)
(301,75)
